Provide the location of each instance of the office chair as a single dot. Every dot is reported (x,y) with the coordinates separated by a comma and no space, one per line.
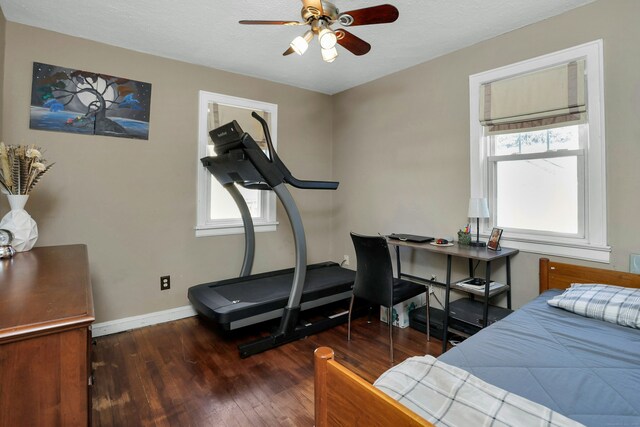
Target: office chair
(375,282)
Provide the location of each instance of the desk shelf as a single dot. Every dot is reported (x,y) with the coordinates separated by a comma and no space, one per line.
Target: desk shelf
(470,253)
(480,291)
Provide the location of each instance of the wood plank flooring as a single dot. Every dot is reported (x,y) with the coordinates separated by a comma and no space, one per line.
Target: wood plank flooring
(187,373)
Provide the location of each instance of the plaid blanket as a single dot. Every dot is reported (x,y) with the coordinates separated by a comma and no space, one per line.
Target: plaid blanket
(449,396)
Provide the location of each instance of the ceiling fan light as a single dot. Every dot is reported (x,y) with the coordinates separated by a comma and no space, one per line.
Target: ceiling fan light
(301,43)
(329,55)
(327,38)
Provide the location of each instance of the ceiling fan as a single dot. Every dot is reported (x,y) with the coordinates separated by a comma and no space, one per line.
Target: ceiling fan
(320,15)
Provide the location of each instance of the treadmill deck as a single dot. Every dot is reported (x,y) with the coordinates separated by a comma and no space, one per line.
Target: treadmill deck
(233,300)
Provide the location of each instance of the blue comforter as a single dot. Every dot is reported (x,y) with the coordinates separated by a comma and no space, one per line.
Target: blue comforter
(585,369)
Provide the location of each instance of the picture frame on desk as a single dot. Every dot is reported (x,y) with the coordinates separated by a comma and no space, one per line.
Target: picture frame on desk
(494,241)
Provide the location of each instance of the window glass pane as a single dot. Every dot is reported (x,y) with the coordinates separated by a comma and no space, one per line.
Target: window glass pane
(254,201)
(220,114)
(223,206)
(563,138)
(538,194)
(566,138)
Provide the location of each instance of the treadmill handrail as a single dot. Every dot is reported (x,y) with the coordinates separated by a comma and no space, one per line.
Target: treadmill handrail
(311,185)
(288,177)
(267,135)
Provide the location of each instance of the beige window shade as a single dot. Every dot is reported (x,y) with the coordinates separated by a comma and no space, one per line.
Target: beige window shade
(541,99)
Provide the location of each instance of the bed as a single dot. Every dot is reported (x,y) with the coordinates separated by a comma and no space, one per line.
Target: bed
(585,369)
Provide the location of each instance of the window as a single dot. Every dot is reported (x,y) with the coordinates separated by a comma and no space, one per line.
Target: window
(537,152)
(217,213)
(530,171)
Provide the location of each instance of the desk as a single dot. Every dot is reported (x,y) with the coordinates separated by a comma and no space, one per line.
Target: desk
(472,254)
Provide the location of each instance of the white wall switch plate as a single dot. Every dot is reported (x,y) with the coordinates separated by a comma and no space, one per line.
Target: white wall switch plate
(634,263)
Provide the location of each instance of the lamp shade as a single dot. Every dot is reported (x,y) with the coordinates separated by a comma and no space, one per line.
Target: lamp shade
(478,208)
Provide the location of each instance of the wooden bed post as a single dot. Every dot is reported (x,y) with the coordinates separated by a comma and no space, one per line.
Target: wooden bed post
(544,274)
(321,355)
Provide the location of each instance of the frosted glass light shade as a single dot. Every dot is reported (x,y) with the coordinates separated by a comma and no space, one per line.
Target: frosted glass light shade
(329,55)
(327,38)
(301,43)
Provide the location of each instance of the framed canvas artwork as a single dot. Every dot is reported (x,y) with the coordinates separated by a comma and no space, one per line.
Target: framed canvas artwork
(76,101)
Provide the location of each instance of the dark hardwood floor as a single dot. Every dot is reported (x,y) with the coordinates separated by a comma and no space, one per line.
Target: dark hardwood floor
(187,373)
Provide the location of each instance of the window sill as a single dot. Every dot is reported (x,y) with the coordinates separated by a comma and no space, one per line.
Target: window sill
(233,229)
(575,251)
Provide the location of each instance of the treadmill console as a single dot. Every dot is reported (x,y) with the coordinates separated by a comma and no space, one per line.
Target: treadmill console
(226,137)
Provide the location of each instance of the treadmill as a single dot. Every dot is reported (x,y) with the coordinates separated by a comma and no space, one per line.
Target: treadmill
(284,294)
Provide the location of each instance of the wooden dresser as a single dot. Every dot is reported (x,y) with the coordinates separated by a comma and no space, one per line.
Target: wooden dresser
(46,311)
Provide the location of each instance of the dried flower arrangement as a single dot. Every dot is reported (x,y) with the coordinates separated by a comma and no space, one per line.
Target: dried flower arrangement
(21,168)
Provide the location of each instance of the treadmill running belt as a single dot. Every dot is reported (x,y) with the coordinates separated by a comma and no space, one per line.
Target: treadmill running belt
(276,287)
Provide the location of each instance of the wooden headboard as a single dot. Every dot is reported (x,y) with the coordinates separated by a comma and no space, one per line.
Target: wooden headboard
(556,275)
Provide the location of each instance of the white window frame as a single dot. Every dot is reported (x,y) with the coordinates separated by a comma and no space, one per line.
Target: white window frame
(204,226)
(592,245)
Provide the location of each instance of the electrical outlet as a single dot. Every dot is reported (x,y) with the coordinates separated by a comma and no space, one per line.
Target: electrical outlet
(345,260)
(165,283)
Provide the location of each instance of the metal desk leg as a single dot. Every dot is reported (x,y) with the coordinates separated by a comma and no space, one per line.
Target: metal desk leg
(509,282)
(447,291)
(487,286)
(428,307)
(398,261)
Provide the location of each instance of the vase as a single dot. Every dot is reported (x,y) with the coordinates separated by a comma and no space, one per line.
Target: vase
(20,223)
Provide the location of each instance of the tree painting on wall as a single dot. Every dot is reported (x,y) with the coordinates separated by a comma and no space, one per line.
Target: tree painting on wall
(67,100)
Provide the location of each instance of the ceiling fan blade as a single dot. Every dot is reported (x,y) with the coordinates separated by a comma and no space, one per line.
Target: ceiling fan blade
(382,14)
(352,43)
(288,51)
(314,6)
(251,22)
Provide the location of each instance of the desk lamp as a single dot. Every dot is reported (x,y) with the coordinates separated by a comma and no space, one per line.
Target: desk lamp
(478,208)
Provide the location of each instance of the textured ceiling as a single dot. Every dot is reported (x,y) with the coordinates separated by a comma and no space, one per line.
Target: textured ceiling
(207,32)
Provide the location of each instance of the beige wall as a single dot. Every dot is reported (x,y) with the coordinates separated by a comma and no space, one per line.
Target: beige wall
(401,143)
(399,146)
(134,202)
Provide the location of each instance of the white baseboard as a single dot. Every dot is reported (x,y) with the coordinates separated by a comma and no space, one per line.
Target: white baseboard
(134,322)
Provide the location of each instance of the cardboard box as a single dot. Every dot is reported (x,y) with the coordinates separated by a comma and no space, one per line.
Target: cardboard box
(400,312)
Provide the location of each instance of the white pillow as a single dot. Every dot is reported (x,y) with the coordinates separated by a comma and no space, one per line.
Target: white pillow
(614,304)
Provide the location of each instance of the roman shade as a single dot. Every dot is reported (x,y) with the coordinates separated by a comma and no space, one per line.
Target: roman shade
(541,99)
